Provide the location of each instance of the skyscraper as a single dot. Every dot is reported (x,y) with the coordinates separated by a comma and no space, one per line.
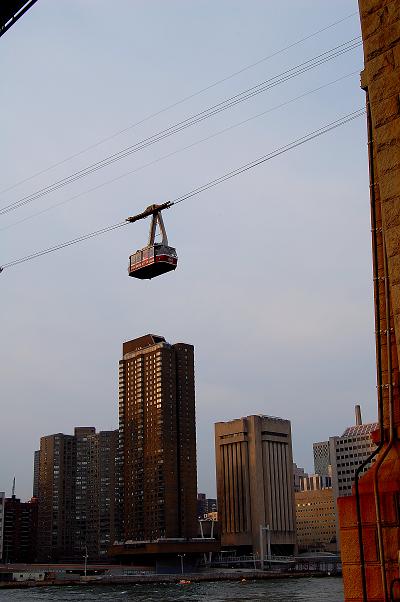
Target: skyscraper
(255,487)
(76,494)
(95,490)
(56,497)
(157,439)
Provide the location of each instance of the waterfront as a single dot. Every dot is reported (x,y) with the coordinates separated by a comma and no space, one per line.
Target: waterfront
(329,589)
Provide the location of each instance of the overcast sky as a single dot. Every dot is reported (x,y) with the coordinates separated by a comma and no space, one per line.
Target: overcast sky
(274,283)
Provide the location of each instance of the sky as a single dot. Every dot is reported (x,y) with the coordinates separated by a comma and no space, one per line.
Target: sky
(274,281)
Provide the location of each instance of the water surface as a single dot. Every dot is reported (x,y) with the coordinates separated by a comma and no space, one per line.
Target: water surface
(329,589)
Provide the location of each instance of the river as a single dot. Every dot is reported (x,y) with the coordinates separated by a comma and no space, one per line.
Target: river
(329,589)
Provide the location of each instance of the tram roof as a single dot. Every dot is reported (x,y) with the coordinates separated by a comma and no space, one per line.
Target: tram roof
(11,11)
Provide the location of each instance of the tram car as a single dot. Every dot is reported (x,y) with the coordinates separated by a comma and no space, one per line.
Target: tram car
(157,257)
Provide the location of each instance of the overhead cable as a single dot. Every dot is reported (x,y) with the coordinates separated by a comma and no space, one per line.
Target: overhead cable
(177,151)
(179,102)
(199,189)
(192,120)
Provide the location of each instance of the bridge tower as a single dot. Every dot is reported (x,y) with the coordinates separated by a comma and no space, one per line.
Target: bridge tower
(370,518)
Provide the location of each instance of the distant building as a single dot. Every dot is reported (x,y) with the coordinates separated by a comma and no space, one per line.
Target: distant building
(19,530)
(76,494)
(201,504)
(56,498)
(298,475)
(205,505)
(316,520)
(347,453)
(94,490)
(315,482)
(2,498)
(255,484)
(322,458)
(157,439)
(36,459)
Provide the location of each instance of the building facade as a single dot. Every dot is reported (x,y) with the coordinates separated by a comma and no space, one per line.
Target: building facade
(316,520)
(76,494)
(255,488)
(158,483)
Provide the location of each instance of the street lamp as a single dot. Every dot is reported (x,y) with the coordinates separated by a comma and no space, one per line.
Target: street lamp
(182,556)
(86,557)
(266,528)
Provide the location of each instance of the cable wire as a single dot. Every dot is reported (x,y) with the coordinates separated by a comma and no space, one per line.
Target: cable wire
(192,120)
(179,102)
(211,184)
(180,150)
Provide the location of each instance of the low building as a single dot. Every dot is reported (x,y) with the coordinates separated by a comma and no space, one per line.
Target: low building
(316,520)
(315,481)
(299,474)
(19,530)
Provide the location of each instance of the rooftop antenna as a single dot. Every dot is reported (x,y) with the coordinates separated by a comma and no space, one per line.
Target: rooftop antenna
(13,487)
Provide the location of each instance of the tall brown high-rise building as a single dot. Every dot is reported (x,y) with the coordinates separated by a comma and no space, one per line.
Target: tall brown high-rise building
(76,494)
(157,439)
(255,485)
(56,497)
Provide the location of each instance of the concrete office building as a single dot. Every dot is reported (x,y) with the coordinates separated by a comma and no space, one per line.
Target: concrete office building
(76,494)
(316,520)
(2,498)
(158,439)
(255,488)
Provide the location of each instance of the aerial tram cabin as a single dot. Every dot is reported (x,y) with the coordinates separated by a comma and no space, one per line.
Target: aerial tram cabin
(157,257)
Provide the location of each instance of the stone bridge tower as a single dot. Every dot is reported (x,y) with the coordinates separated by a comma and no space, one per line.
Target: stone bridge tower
(370,518)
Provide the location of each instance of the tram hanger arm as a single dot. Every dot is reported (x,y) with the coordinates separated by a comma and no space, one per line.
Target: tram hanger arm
(151,210)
